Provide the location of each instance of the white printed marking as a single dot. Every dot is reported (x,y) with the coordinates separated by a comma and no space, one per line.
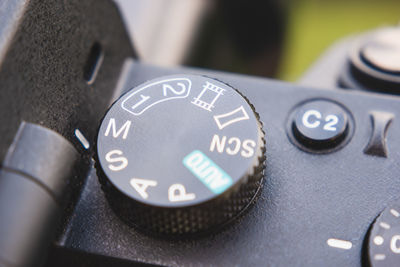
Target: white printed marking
(248,148)
(111,158)
(211,88)
(236,117)
(384,225)
(146,97)
(338,243)
(331,120)
(235,145)
(395,213)
(82,139)
(115,133)
(378,240)
(143,99)
(140,185)
(177,192)
(379,257)
(306,119)
(167,87)
(394,244)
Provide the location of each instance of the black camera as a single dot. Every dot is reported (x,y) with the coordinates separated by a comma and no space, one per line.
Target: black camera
(107,161)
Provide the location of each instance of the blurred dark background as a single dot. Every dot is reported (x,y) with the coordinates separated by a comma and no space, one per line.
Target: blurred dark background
(272,38)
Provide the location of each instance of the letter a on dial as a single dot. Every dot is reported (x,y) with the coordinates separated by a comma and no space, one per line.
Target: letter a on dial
(140,185)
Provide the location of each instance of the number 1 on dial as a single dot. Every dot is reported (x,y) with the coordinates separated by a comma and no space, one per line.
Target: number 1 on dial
(144,99)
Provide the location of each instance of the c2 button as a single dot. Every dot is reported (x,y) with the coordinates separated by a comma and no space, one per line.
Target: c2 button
(320,124)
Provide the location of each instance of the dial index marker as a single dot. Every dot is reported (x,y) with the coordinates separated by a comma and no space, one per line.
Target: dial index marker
(339,243)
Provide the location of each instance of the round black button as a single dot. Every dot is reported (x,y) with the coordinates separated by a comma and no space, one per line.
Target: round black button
(320,124)
(180,154)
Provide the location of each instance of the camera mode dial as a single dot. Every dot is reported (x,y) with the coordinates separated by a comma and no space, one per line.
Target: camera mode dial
(180,154)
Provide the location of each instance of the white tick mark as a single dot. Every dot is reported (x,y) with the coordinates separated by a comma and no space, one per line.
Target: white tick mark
(384,225)
(82,139)
(379,257)
(395,213)
(338,243)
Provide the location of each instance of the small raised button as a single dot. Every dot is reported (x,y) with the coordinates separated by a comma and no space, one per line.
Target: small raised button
(320,124)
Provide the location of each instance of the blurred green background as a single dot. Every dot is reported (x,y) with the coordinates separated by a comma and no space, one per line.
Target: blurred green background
(314,25)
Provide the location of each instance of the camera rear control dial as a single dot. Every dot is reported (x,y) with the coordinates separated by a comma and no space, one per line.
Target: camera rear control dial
(384,238)
(374,62)
(180,154)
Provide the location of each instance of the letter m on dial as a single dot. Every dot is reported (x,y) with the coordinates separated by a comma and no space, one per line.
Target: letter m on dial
(112,127)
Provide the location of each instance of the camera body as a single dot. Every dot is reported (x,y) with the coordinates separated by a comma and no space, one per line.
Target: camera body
(319,198)
(307,199)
